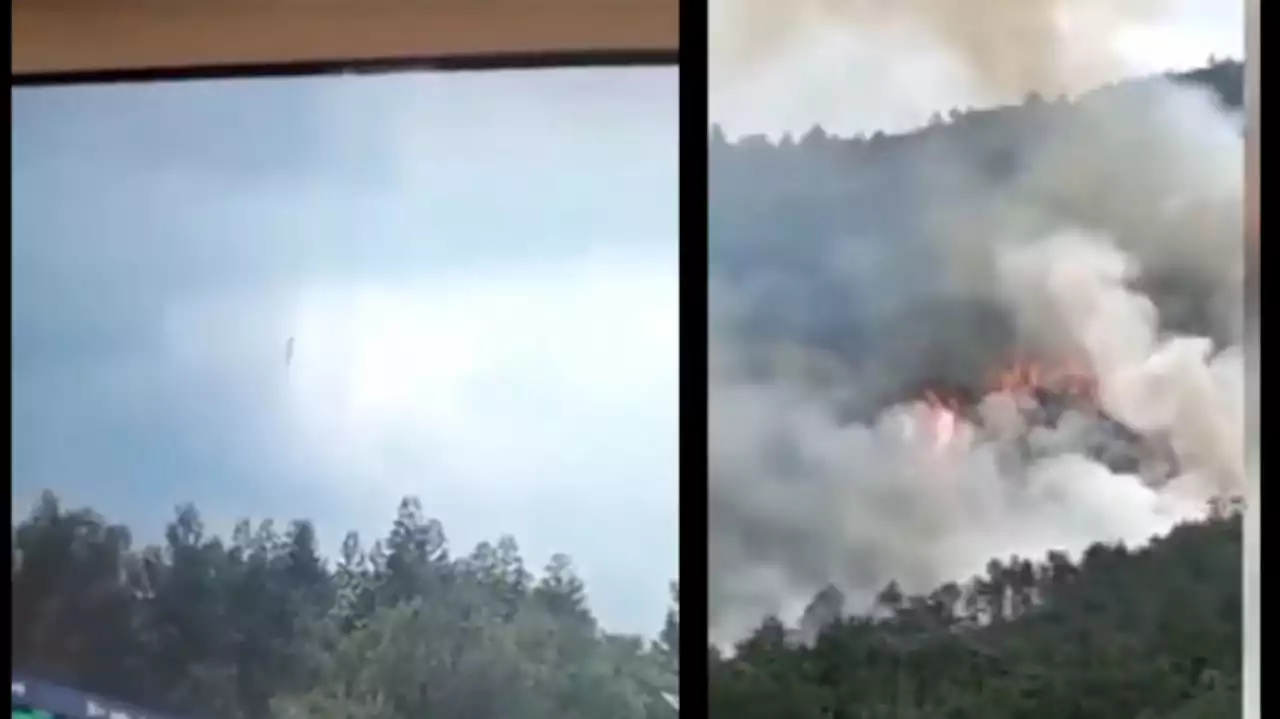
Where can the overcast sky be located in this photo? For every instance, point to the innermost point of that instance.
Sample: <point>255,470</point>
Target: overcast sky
<point>860,82</point>
<point>479,270</point>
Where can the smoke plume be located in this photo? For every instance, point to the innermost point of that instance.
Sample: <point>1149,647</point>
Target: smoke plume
<point>1010,47</point>
<point>1116,248</point>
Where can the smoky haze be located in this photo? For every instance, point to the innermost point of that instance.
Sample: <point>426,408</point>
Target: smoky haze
<point>1009,47</point>
<point>849,277</point>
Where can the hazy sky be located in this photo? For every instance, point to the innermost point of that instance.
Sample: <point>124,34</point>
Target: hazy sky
<point>480,271</point>
<point>862,82</point>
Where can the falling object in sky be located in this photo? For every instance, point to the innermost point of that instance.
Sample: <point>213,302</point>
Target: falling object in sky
<point>288,352</point>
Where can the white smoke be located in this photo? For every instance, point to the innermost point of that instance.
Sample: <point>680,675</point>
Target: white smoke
<point>1179,387</point>
<point>856,505</point>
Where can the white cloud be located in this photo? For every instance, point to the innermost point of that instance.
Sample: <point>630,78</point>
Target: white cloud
<point>479,270</point>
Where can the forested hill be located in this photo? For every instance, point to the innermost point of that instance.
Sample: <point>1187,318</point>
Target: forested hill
<point>1150,633</point>
<point>1124,634</point>
<point>817,185</point>
<point>1225,79</point>
<point>260,626</point>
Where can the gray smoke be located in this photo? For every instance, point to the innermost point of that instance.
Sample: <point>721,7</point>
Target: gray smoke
<point>1117,244</point>
<point>1253,210</point>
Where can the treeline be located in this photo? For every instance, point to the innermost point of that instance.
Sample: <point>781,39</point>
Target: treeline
<point>780,202</point>
<point>1223,78</point>
<point>261,626</point>
<point>1153,633</point>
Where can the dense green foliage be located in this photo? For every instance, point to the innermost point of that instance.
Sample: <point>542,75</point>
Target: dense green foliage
<point>1151,633</point>
<point>263,626</point>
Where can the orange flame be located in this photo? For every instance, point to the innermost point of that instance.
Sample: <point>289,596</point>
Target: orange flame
<point>1019,377</point>
<point>1070,378</point>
